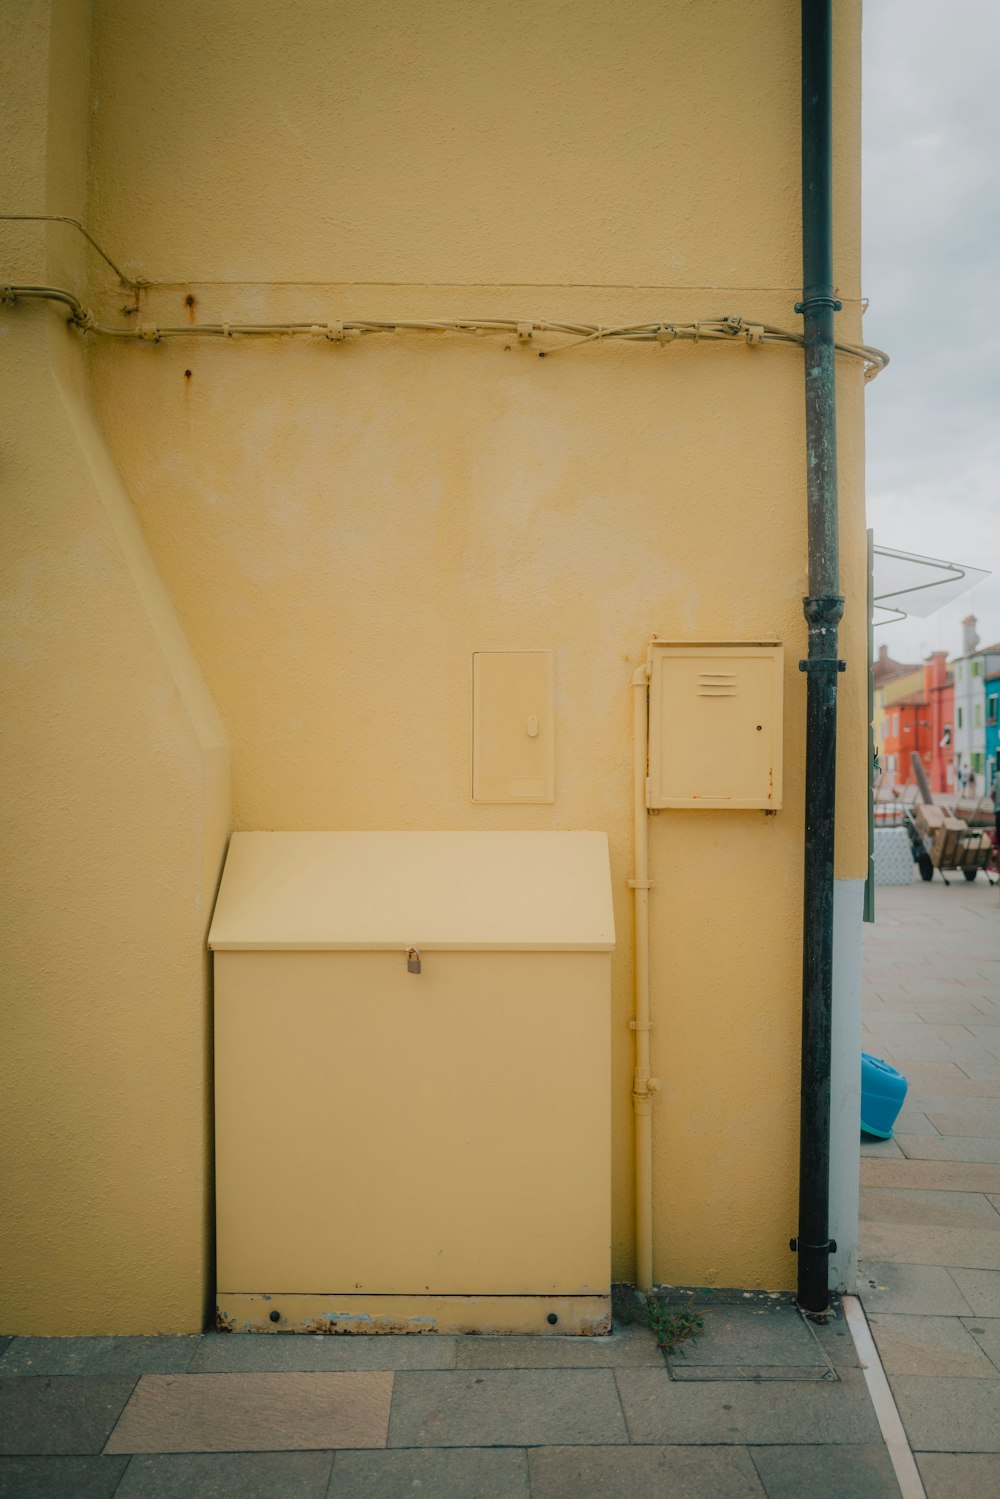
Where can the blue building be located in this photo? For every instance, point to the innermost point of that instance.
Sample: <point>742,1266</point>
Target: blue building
<point>992,689</point>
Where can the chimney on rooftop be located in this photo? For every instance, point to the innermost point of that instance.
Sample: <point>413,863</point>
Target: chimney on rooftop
<point>935,670</point>
<point>969,637</point>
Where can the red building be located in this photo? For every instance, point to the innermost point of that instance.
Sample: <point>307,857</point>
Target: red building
<point>939,691</point>
<point>907,728</point>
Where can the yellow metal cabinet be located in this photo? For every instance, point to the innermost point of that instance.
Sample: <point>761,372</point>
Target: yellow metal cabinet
<point>412,1082</point>
<point>715,725</point>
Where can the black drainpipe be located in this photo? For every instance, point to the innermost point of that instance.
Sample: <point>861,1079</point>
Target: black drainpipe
<point>823,609</point>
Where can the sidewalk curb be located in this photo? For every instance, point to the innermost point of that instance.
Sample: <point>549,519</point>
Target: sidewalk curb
<point>891,1426</point>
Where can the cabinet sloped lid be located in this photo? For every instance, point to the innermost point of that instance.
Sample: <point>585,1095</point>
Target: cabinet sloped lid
<point>460,891</point>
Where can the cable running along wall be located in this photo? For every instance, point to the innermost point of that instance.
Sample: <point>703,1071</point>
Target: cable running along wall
<point>726,329</point>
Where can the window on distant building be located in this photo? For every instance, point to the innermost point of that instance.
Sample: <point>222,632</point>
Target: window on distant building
<point>946,736</point>
<point>959,720</point>
<point>975,668</point>
<point>979,715</point>
<point>976,761</point>
<point>895,725</point>
<point>992,707</point>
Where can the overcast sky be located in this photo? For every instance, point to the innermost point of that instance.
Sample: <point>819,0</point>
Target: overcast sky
<point>931,234</point>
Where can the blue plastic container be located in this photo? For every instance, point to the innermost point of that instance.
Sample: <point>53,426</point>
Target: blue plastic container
<point>882,1092</point>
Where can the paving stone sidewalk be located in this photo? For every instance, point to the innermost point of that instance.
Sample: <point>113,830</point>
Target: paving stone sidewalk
<point>764,1404</point>
<point>930,1197</point>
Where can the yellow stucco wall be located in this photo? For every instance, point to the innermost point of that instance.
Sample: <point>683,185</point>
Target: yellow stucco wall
<point>340,527</point>
<point>116,767</point>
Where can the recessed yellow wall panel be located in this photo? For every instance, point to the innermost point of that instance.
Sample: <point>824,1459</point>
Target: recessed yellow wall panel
<point>715,725</point>
<point>513,738</point>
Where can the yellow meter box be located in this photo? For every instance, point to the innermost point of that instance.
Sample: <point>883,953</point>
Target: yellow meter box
<point>715,725</point>
<point>412,1058</point>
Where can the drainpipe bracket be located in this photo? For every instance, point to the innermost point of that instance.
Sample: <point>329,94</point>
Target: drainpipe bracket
<point>644,1095</point>
<point>640,1025</point>
<point>642,884</point>
<point>823,665</point>
<point>798,1247</point>
<point>814,304</point>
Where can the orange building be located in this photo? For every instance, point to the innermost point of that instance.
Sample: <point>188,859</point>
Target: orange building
<point>906,727</point>
<point>939,691</point>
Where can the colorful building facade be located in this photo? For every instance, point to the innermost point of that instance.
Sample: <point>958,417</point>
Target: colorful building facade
<point>991,687</point>
<point>972,670</point>
<point>939,691</point>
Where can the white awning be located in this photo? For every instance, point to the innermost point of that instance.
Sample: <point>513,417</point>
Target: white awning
<point>906,583</point>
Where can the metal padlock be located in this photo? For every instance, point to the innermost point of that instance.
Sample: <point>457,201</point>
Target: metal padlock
<point>413,960</point>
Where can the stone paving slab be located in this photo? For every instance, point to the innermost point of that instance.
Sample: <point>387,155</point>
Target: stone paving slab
<point>227,1475</point>
<point>984,1031</point>
<point>937,1148</point>
<point>967,1107</point>
<point>921,1048</point>
<point>4,1344</point>
<point>60,1415</point>
<point>959,1475</point>
<point>60,1477</point>
<point>871,1148</point>
<point>912,1120</point>
<point>981,1289</point>
<point>985,1071</point>
<point>949,1415</point>
<point>922,1289</point>
<point>458,1473</point>
<point>916,1244</point>
<point>967,1015</point>
<point>903,1019</point>
<point>305,1353</point>
<point>937,1100</point>
<point>99,1356</point>
<point>659,1411</point>
<point>977,1122</point>
<point>935,1176</point>
<point>627,1347</point>
<point>986,1331</point>
<point>643,1473</point>
<point>841,1472</point>
<point>508,1407</point>
<point>254,1412</point>
<point>910,1344</point>
<point>917,1205</point>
